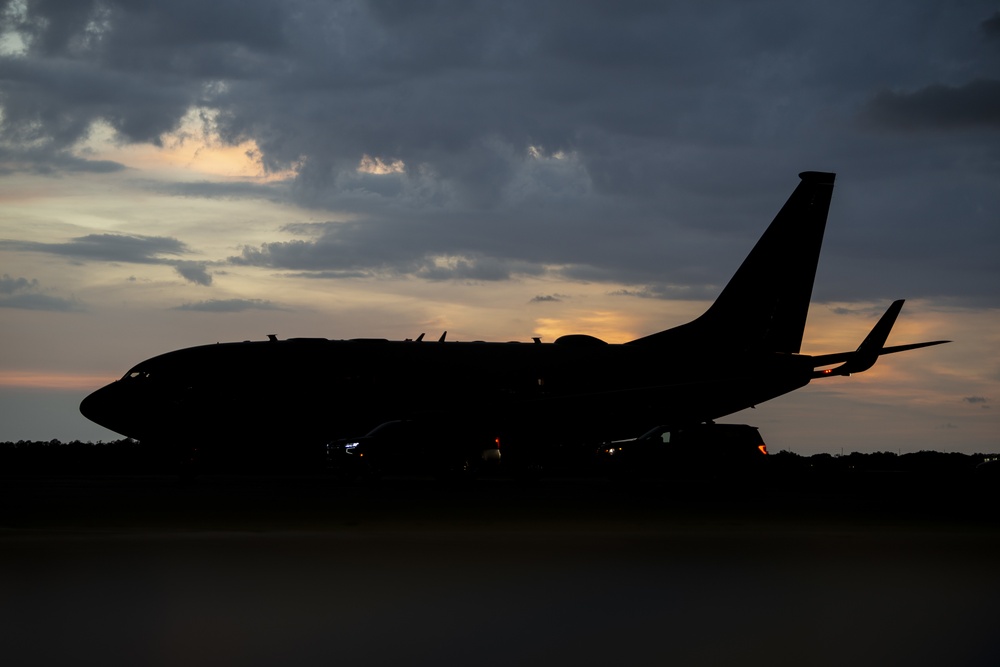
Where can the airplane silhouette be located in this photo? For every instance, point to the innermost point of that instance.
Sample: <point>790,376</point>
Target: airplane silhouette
<point>300,392</point>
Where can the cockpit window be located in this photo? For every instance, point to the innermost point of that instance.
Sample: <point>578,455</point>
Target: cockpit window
<point>136,374</point>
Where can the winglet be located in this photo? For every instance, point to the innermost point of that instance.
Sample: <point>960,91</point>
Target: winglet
<point>867,353</point>
<point>871,348</point>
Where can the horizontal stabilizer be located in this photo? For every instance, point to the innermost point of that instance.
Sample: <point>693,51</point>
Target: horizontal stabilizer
<point>911,346</point>
<point>871,348</point>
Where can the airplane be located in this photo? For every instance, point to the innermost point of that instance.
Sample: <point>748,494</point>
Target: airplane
<point>296,394</point>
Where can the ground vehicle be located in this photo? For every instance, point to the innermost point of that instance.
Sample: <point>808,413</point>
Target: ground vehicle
<point>414,447</point>
<point>698,450</point>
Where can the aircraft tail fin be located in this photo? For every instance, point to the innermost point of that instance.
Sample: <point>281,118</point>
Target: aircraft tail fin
<point>871,348</point>
<point>764,305</point>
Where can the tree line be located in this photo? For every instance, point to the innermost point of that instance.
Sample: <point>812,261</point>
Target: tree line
<point>128,456</point>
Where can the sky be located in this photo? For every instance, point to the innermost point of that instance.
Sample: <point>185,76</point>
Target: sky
<point>180,173</point>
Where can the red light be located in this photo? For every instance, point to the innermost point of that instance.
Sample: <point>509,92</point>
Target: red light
<point>497,440</point>
<point>763,449</point>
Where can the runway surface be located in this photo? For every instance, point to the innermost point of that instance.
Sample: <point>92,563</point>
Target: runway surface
<point>257,570</point>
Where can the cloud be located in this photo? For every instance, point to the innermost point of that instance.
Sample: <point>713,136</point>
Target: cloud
<point>548,298</point>
<point>24,294</point>
<point>52,162</point>
<point>276,191</point>
<point>131,248</point>
<point>323,85</point>
<point>61,97</point>
<point>10,285</point>
<point>332,275</point>
<point>125,248</point>
<point>938,106</point>
<point>867,312</point>
<point>41,302</point>
<point>475,268</point>
<point>138,69</point>
<point>670,292</point>
<point>991,27</point>
<point>194,272</point>
<point>944,105</point>
<point>633,144</point>
<point>977,400</point>
<point>331,258</point>
<point>228,305</point>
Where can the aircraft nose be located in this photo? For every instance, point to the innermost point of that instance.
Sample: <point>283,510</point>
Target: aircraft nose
<point>101,408</point>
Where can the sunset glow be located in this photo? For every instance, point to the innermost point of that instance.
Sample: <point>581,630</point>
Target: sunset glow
<point>43,380</point>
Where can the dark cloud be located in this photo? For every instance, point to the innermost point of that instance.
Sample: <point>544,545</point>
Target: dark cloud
<point>331,258</point>
<point>137,66</point>
<point>548,298</point>
<point>278,192</point>
<point>25,294</point>
<point>321,84</point>
<point>476,268</point>
<point>975,104</point>
<point>336,248</point>
<point>645,144</point>
<point>975,399</point>
<point>52,162</point>
<point>131,248</point>
<point>125,248</point>
<point>10,285</point>
<point>229,305</point>
<point>333,275</point>
<point>941,102</point>
<point>41,302</point>
<point>195,272</point>
<point>70,163</point>
<point>991,27</point>
<point>139,108</point>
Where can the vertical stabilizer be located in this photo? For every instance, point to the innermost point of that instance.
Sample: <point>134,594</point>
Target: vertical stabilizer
<point>764,306</point>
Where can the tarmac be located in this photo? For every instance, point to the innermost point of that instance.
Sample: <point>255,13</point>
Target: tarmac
<point>261,570</point>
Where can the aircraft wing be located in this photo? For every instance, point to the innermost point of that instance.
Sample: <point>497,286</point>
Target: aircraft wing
<point>871,348</point>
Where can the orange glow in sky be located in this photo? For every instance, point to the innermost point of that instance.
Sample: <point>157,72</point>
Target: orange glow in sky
<point>192,149</point>
<point>49,380</point>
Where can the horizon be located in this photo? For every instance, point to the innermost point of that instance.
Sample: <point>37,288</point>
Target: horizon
<point>990,455</point>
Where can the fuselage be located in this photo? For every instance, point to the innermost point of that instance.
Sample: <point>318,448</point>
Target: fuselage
<point>303,391</point>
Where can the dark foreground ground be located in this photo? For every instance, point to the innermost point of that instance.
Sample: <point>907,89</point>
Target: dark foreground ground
<point>866,569</point>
